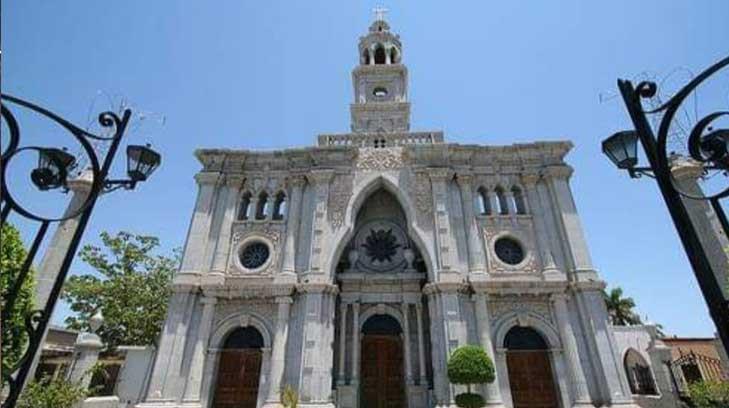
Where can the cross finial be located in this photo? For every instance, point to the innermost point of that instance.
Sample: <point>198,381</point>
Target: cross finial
<point>380,13</point>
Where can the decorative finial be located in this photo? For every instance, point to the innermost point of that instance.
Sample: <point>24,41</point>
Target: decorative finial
<point>380,13</point>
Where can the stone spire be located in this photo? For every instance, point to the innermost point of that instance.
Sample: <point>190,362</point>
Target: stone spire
<point>380,82</point>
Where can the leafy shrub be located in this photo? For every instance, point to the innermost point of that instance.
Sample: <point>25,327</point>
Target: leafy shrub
<point>48,393</point>
<point>709,394</point>
<point>470,365</point>
<point>470,400</point>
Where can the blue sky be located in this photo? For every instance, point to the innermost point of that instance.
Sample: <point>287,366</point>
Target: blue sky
<point>273,74</point>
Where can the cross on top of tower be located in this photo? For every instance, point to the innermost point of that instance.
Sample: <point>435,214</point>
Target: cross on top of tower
<point>380,13</point>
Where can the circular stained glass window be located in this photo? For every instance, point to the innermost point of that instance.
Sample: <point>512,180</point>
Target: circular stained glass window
<point>509,251</point>
<point>254,255</point>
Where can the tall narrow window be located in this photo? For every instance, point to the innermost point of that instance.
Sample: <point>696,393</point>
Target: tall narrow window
<point>484,205</point>
<point>501,201</point>
<point>519,203</point>
<point>245,206</point>
<point>279,206</point>
<point>262,209</point>
<point>639,374</point>
<point>366,57</point>
<point>380,56</point>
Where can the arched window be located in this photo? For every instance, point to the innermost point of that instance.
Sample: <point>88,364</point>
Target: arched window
<point>245,206</point>
<point>501,201</point>
<point>519,202</point>
<point>484,204</point>
<point>380,56</point>
<point>262,208</point>
<point>279,206</point>
<point>639,374</point>
<point>394,55</point>
<point>365,57</point>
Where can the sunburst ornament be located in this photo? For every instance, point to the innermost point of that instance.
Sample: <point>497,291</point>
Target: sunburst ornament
<point>381,245</point>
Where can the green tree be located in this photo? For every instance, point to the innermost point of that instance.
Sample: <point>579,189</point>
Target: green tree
<point>132,292</point>
<point>709,394</point>
<point>12,256</point>
<point>620,309</point>
<point>468,365</point>
<point>47,393</point>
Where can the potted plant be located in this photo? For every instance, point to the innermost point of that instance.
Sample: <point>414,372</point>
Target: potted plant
<point>470,365</point>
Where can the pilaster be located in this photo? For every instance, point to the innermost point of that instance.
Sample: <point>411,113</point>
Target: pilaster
<point>580,392</point>
<point>292,223</point>
<point>198,234</point>
<point>483,324</point>
<point>476,256</point>
<point>439,178</point>
<point>320,180</point>
<point>233,184</point>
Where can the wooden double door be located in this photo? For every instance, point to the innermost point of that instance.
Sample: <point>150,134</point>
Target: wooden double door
<point>239,372</point>
<point>530,379</point>
<point>382,380</point>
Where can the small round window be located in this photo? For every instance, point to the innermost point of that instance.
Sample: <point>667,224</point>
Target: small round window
<point>380,92</point>
<point>254,255</point>
<point>509,251</point>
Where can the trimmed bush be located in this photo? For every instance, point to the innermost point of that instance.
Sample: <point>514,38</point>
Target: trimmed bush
<point>470,400</point>
<point>470,365</point>
<point>709,394</point>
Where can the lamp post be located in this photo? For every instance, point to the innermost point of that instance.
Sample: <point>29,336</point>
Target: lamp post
<point>51,173</point>
<point>706,146</point>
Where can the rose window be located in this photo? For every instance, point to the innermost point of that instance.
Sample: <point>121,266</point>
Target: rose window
<point>254,255</point>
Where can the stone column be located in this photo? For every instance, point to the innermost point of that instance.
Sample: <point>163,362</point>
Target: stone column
<point>320,179</point>
<point>421,345</point>
<point>476,257</point>
<point>579,384</point>
<point>355,344</point>
<point>86,353</point>
<point>569,226</point>
<point>278,354</point>
<point>483,325</point>
<point>293,220</point>
<point>685,173</point>
<point>544,244</point>
<point>439,181</point>
<point>197,237</point>
<point>404,307</point>
<point>222,247</point>
<point>342,343</point>
<point>197,363</point>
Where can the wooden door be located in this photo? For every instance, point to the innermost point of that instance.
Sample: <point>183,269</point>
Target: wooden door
<point>237,381</point>
<point>382,381</point>
<point>531,380</point>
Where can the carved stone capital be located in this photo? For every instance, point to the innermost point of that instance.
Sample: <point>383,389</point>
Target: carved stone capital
<point>321,177</point>
<point>530,179</point>
<point>563,172</point>
<point>284,299</point>
<point>440,174</point>
<point>296,180</point>
<point>207,178</point>
<point>234,180</point>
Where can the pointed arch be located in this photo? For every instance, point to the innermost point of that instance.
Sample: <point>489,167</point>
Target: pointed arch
<point>526,319</point>
<point>519,201</point>
<point>362,191</point>
<point>244,208</point>
<point>262,206</point>
<point>484,203</point>
<point>279,206</point>
<point>501,200</point>
<point>380,54</point>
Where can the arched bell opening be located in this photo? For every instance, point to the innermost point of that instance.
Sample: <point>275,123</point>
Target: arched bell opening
<point>239,369</point>
<point>528,362</point>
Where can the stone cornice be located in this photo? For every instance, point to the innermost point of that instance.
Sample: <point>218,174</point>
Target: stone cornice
<point>445,287</point>
<point>317,288</point>
<point>541,157</point>
<point>247,289</point>
<point>588,285</point>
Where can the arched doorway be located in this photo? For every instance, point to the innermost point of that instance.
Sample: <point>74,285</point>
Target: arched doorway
<point>383,381</point>
<point>530,371</point>
<point>239,369</point>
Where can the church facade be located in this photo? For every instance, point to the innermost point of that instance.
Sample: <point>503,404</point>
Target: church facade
<point>347,272</point>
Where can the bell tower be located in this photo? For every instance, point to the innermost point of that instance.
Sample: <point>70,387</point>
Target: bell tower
<point>380,82</point>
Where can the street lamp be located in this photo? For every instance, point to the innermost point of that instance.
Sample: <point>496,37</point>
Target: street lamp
<point>53,167</point>
<point>706,146</point>
<point>51,172</point>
